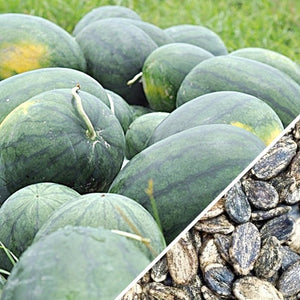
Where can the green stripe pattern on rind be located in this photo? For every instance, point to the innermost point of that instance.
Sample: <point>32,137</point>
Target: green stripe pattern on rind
<point>24,213</point>
<point>111,211</point>
<point>188,170</point>
<point>225,107</point>
<point>75,263</point>
<point>44,139</point>
<point>19,88</point>
<point>225,73</point>
<point>115,61</point>
<point>272,58</point>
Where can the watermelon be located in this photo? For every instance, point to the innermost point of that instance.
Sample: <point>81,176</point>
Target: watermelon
<point>47,138</point>
<point>197,35</point>
<point>111,211</point>
<point>103,12</point>
<point>32,42</point>
<point>228,72</point>
<point>75,263</point>
<point>165,69</point>
<point>186,171</point>
<point>24,213</point>
<point>113,62</point>
<point>19,88</point>
<point>120,108</point>
<point>138,110</point>
<point>226,107</point>
<point>272,58</point>
<point>140,130</point>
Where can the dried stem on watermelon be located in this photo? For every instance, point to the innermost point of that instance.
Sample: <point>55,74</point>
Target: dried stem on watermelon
<point>91,133</point>
<point>135,78</point>
<point>13,259</point>
<point>137,236</point>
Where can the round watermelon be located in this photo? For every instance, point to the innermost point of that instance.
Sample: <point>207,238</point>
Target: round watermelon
<point>24,213</point>
<point>111,211</point>
<point>48,138</point>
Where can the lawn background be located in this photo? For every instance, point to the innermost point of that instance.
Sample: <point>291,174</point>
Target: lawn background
<point>271,24</point>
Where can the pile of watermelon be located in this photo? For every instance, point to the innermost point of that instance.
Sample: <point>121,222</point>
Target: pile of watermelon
<point>115,137</point>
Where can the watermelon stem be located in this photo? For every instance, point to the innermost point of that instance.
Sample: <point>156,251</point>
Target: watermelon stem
<point>135,78</point>
<point>91,133</point>
<point>131,235</point>
<point>146,241</point>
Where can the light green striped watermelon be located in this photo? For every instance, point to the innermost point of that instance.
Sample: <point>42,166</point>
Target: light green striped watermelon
<point>24,213</point>
<point>111,211</point>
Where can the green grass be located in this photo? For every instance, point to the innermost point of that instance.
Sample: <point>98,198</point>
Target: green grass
<point>271,24</point>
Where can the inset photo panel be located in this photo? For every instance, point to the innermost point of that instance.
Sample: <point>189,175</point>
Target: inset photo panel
<point>245,244</point>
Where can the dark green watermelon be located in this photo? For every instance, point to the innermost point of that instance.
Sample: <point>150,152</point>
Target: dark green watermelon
<point>115,61</point>
<point>197,35</point>
<point>75,263</point>
<point>19,88</point>
<point>188,170</point>
<point>46,139</point>
<point>24,213</point>
<point>103,12</point>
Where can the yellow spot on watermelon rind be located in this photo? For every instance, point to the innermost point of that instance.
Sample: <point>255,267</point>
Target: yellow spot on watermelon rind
<point>21,57</point>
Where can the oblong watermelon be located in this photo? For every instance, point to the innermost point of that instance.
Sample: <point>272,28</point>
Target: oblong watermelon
<point>228,72</point>
<point>24,213</point>
<point>197,35</point>
<point>272,58</point>
<point>164,71</point>
<point>111,211</point>
<point>188,170</point>
<point>45,139</point>
<point>19,88</point>
<point>103,12</point>
<point>139,132</point>
<point>32,42</point>
<point>75,263</point>
<point>226,107</point>
<point>115,61</point>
